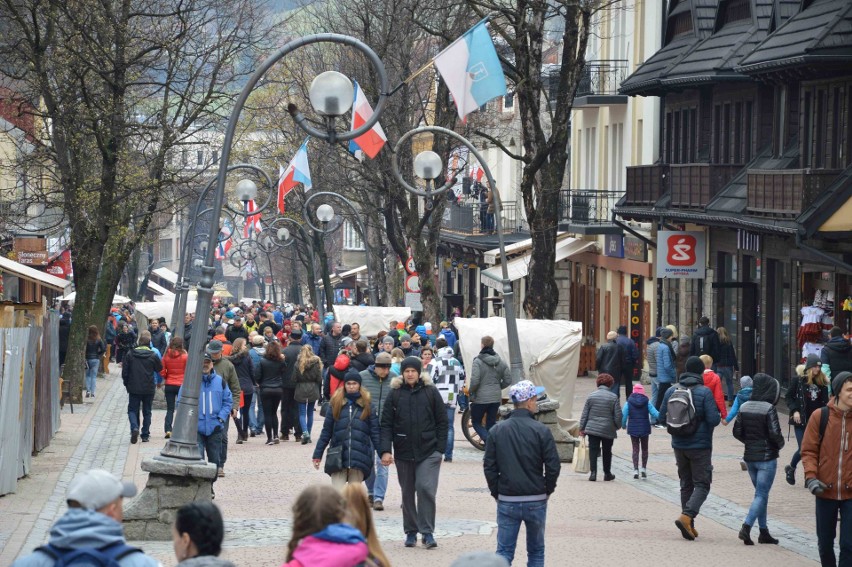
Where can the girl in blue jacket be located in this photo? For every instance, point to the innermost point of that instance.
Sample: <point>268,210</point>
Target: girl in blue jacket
<point>636,418</point>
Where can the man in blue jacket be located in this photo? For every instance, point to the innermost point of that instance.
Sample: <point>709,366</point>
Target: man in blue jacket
<point>214,407</point>
<point>521,466</point>
<point>693,452</point>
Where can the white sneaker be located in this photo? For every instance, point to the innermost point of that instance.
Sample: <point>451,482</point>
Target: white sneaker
<point>635,474</point>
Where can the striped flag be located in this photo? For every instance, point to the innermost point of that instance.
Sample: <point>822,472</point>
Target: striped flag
<point>252,220</point>
<point>298,171</point>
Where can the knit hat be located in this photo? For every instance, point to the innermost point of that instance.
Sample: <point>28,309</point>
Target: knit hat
<point>428,327</point>
<point>384,358</point>
<point>404,337</point>
<point>813,360</point>
<point>638,389</point>
<point>666,333</point>
<point>420,330</point>
<point>694,365</point>
<point>838,381</point>
<point>346,341</point>
<point>746,382</point>
<point>296,335</point>
<point>352,375</point>
<point>388,340</point>
<point>411,362</point>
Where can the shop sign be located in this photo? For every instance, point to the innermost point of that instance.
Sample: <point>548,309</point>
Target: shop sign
<point>636,304</point>
<point>614,245</point>
<point>635,249</point>
<point>60,266</point>
<point>32,258</point>
<point>681,254</point>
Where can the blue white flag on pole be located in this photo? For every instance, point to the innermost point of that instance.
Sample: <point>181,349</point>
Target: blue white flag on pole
<point>472,70</point>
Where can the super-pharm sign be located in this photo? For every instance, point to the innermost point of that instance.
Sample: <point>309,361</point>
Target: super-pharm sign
<point>681,254</point>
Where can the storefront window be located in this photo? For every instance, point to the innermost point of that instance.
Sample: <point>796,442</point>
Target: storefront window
<point>777,330</point>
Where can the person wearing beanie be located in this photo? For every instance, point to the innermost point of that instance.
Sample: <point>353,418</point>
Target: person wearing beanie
<point>742,397</point>
<point>405,344</point>
<point>757,428</point>
<point>805,395</point>
<point>693,452</point>
<point>825,441</point>
<point>414,435</point>
<point>489,374</point>
<point>636,416</point>
<point>377,380</point>
<point>600,420</point>
<point>353,425</point>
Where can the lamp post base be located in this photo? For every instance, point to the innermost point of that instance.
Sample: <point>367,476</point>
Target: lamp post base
<point>180,452</point>
<point>171,484</point>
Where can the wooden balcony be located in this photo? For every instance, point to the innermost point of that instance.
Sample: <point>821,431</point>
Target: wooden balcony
<point>693,185</point>
<point>645,184</point>
<point>785,193</point>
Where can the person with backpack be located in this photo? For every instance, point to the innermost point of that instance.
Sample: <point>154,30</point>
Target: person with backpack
<point>690,414</point>
<point>600,420</point>
<point>828,475</point>
<point>806,394</point>
<point>666,369</point>
<point>414,426</point>
<point>636,416</point>
<point>705,340</point>
<point>90,532</point>
<point>757,427</point>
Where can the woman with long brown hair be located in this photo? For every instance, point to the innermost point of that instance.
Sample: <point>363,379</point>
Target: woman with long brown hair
<point>319,536</point>
<point>807,393</point>
<point>308,378</point>
<point>174,367</point>
<point>360,515</point>
<point>352,425</point>
<point>95,348</point>
<point>245,374</point>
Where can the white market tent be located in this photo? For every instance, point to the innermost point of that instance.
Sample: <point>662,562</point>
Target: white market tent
<point>550,351</point>
<point>155,309</point>
<point>71,297</point>
<point>371,319</point>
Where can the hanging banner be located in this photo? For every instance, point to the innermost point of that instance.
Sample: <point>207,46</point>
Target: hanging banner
<point>636,315</point>
<point>681,254</point>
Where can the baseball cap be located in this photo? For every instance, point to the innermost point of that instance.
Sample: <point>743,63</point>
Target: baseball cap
<point>214,347</point>
<point>383,359</point>
<point>524,390</point>
<point>207,357</point>
<point>96,488</point>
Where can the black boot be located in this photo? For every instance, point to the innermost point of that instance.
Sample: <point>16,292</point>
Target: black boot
<point>764,537</point>
<point>745,534</point>
<point>593,476</point>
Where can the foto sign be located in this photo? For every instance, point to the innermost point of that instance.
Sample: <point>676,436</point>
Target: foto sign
<point>681,254</point>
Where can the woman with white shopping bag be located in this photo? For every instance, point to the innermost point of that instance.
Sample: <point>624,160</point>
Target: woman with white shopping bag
<point>600,420</point>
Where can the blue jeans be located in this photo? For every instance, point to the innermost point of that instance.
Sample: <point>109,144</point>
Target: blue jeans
<point>489,412</point>
<point>451,433</point>
<point>377,482</point>
<point>655,386</point>
<point>799,430</point>
<point>306,417</point>
<point>463,401</point>
<point>509,518</point>
<point>211,447</point>
<point>762,475</point>
<point>256,414</point>
<point>726,373</point>
<point>92,365</point>
<point>826,527</point>
<point>133,404</point>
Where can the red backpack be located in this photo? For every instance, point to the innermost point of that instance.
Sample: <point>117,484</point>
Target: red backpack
<point>341,363</point>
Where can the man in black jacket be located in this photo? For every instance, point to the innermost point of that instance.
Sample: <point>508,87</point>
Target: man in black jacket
<point>521,466</point>
<point>330,345</point>
<point>137,373</point>
<point>705,341</point>
<point>289,409</point>
<point>237,330</point>
<point>610,358</point>
<point>837,353</point>
<point>414,424</point>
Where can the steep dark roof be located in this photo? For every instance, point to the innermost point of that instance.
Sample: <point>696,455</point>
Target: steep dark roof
<point>835,195</point>
<point>822,32</point>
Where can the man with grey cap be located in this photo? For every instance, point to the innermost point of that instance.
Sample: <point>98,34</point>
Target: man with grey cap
<point>225,369</point>
<point>91,528</point>
<point>521,467</point>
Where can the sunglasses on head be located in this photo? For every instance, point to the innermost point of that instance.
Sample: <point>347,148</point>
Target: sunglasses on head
<point>383,365</point>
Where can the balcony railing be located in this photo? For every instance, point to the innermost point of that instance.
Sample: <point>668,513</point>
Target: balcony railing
<point>693,185</point>
<point>474,218</point>
<point>602,77</point>
<point>645,184</point>
<point>785,193</point>
<point>586,206</point>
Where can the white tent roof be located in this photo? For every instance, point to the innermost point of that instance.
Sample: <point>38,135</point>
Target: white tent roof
<point>519,267</point>
<point>166,274</point>
<point>72,297</point>
<point>492,256</point>
<point>26,272</point>
<point>371,319</point>
<point>159,290</point>
<point>337,278</point>
<point>156,309</point>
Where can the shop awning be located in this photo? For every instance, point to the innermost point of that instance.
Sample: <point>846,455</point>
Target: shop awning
<point>337,278</point>
<point>519,267</point>
<point>37,276</point>
<point>159,290</point>
<point>493,256</point>
<point>166,274</point>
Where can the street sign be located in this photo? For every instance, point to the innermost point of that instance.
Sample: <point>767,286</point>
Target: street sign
<point>412,284</point>
<point>455,263</point>
<point>412,301</point>
<point>409,266</point>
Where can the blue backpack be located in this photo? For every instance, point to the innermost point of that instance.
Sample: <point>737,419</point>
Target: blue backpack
<point>107,556</point>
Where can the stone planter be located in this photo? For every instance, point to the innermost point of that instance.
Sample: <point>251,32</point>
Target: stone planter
<point>547,415</point>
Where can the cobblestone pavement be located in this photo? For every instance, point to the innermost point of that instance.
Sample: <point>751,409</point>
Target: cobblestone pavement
<point>614,523</point>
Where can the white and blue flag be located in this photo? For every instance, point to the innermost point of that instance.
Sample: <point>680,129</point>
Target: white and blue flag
<point>472,70</point>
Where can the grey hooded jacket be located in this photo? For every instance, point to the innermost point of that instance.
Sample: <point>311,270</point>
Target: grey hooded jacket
<point>488,376</point>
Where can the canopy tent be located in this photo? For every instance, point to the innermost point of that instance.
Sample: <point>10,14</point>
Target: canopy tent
<point>71,297</point>
<point>371,319</point>
<point>166,274</point>
<point>159,290</point>
<point>149,310</point>
<point>550,351</point>
<point>337,278</point>
<point>519,267</point>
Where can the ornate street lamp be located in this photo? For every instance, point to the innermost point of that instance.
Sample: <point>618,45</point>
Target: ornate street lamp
<point>428,166</point>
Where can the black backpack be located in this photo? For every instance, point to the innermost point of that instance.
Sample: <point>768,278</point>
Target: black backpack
<point>107,556</point>
<point>681,417</point>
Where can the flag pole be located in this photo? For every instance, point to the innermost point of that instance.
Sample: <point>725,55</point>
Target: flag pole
<point>423,69</point>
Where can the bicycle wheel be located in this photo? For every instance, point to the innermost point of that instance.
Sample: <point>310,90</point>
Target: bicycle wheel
<point>469,432</point>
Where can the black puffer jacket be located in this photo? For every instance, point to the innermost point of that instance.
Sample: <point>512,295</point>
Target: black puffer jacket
<point>268,374</point>
<point>363,361</point>
<point>245,371</point>
<point>414,421</point>
<point>357,436</point>
<point>609,359</point>
<point>757,425</point>
<point>137,371</point>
